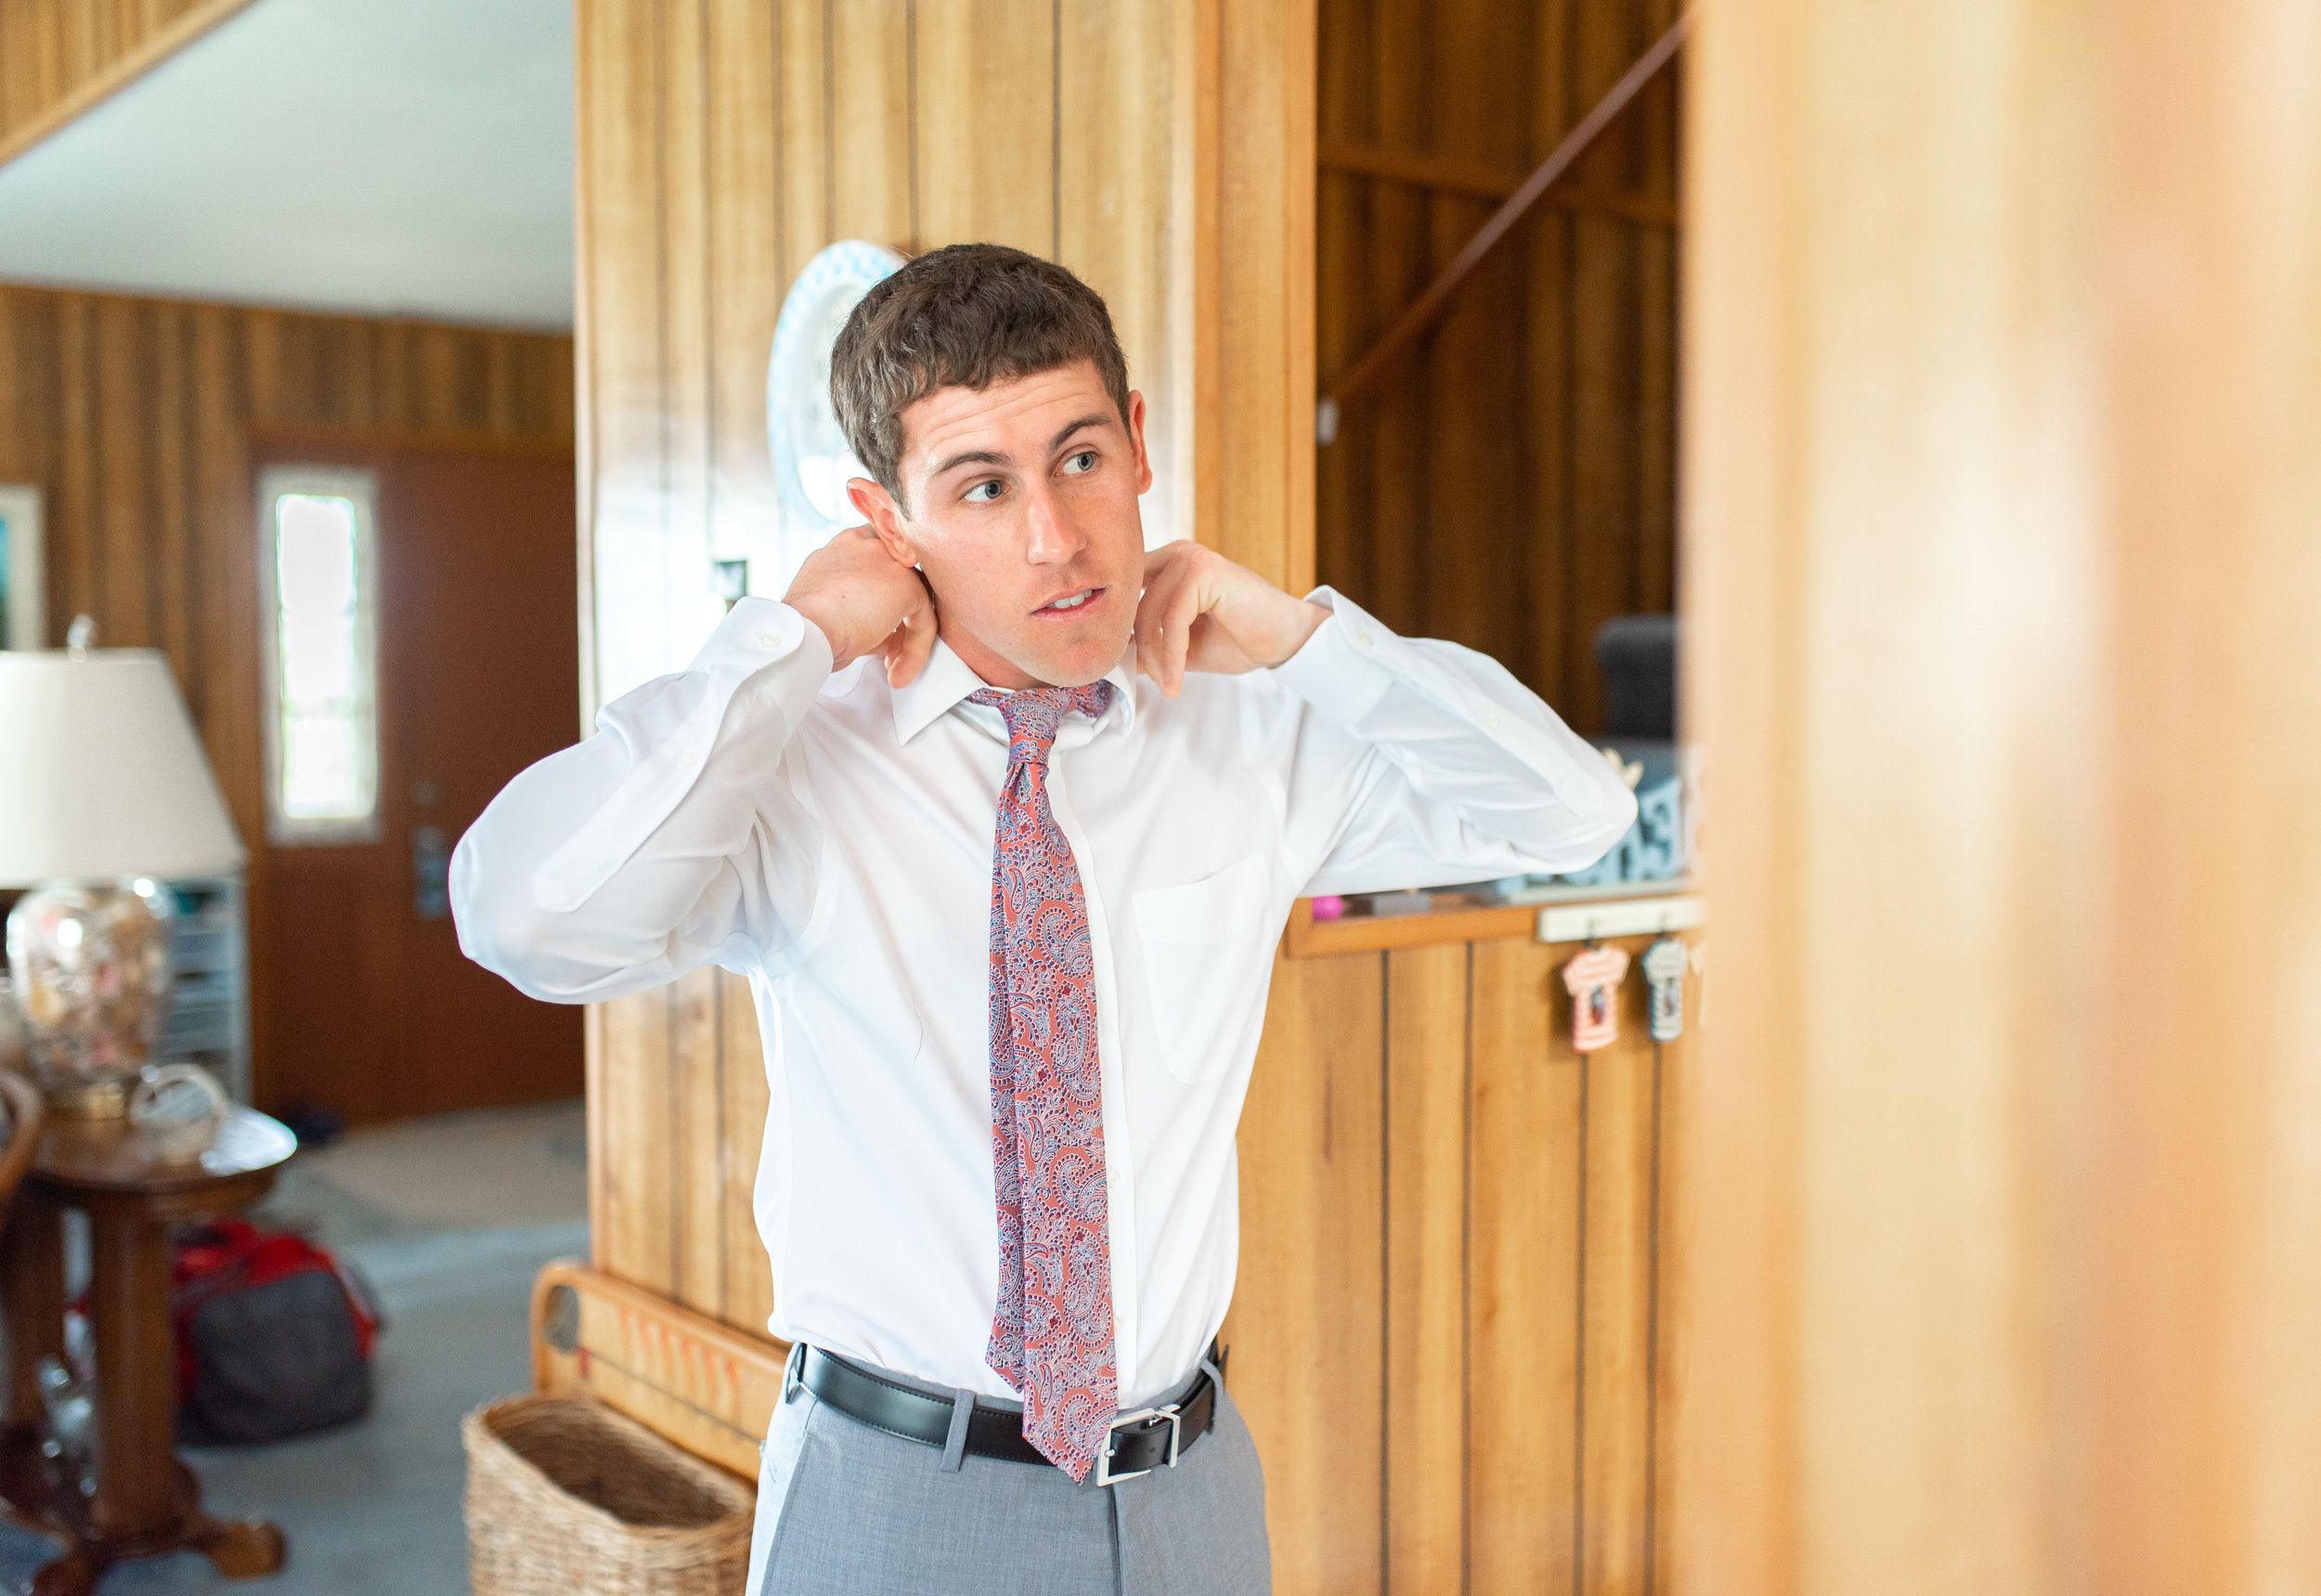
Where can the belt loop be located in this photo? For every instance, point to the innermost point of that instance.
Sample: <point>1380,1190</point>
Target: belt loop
<point>955,1444</point>
<point>793,1372</point>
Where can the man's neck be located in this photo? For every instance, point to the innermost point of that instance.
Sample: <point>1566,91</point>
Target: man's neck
<point>994,669</point>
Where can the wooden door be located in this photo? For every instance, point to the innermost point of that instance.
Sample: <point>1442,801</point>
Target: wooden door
<point>364,1006</point>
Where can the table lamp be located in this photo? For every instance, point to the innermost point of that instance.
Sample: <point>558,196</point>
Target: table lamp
<point>107,796</point>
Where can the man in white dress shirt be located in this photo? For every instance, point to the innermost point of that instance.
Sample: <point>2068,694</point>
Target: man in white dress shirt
<point>1002,816</point>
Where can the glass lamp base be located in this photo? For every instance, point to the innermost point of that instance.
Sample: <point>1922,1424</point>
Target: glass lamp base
<point>90,968</point>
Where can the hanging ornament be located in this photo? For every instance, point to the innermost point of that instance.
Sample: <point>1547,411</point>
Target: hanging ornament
<point>1665,964</point>
<point>1594,979</point>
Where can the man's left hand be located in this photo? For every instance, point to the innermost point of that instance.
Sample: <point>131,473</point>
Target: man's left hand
<point>1202,612</point>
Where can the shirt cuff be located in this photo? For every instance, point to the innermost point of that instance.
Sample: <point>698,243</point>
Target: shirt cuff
<point>1349,663</point>
<point>764,652</point>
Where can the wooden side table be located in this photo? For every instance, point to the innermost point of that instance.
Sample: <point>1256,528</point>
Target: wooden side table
<point>146,1501</point>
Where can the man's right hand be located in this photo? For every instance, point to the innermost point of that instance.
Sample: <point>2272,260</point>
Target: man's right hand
<point>866,602</point>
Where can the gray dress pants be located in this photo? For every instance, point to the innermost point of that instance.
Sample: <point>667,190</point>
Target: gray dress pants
<point>844,1509</point>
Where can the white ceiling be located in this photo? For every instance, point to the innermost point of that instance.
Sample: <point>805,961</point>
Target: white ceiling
<point>380,157</point>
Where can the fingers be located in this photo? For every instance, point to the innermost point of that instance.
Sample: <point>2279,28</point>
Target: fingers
<point>1163,578</point>
<point>1184,608</point>
<point>908,649</point>
<point>1172,602</point>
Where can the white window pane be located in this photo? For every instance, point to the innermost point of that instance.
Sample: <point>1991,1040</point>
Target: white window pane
<point>318,662</point>
<point>320,666</point>
<point>322,769</point>
<point>316,553</point>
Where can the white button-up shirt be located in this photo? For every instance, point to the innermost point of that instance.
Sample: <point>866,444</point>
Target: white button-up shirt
<point>831,839</point>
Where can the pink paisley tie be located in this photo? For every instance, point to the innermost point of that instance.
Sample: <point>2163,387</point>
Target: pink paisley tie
<point>1052,1330</point>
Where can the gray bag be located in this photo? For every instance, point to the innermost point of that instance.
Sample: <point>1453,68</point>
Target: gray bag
<point>273,1339</point>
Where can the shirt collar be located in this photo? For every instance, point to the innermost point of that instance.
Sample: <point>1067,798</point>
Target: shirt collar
<point>946,681</point>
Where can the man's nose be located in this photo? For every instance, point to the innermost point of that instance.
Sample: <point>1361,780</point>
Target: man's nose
<point>1054,539</point>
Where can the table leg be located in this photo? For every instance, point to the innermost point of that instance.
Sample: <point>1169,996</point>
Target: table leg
<point>32,1299</point>
<point>146,1501</point>
<point>137,1391</point>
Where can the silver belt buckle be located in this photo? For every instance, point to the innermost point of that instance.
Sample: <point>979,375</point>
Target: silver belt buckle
<point>1105,1476</point>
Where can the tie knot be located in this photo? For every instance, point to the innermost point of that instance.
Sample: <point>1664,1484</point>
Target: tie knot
<point>1033,715</point>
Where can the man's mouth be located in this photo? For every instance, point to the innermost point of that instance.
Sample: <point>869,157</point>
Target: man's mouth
<point>1068,603</point>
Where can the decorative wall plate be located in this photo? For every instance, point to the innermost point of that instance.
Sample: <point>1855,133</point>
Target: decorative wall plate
<point>811,461</point>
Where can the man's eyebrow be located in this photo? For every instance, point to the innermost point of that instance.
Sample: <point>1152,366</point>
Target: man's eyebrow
<point>973,457</point>
<point>994,457</point>
<point>1092,419</point>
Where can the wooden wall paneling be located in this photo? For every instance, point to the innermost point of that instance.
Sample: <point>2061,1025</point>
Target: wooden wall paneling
<point>1600,576</point>
<point>1523,1223</point>
<point>1547,251</point>
<point>129,566</point>
<point>171,495</point>
<point>1514,484</point>
<point>868,126</point>
<point>1307,1332</point>
<point>1648,158</point>
<point>746,278</point>
<point>1672,1316</point>
<point>1471,389</point>
<point>987,157</point>
<point>622,220</point>
<point>78,566</point>
<point>1344,243</point>
<point>697,1088</point>
<point>1426,1396</point>
<point>748,1292</point>
<point>1391,473</point>
<point>689,206</point>
<point>58,58</point>
<point>634,1200</point>
<point>1617,1284</point>
<point>1260,291</point>
<point>802,200</point>
<point>1115,219</point>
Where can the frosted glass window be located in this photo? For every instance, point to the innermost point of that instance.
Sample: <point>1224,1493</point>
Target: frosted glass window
<point>322,664</point>
<point>21,582</point>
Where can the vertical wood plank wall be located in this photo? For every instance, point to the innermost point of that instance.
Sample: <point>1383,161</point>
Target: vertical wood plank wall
<point>1512,482</point>
<point>722,143</point>
<point>133,417</point>
<point>57,57</point>
<point>1448,1333</point>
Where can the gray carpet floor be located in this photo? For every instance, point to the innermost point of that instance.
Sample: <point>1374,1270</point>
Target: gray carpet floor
<point>373,1509</point>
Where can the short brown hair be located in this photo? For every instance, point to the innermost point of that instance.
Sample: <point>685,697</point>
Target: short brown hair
<point>966,316</point>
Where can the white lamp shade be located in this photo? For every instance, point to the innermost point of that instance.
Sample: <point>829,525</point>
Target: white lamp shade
<point>102,775</point>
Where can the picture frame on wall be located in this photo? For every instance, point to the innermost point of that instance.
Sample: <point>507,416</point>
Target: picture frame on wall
<point>23,589</point>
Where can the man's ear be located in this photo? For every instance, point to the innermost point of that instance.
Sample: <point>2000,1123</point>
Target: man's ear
<point>878,508</point>
<point>1136,440</point>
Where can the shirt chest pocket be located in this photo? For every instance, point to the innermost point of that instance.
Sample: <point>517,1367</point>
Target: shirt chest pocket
<point>1207,960</point>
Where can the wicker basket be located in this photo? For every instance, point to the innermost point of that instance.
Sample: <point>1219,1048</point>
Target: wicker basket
<point>567,1497</point>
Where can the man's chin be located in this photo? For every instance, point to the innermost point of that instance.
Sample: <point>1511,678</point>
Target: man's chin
<point>1076,666</point>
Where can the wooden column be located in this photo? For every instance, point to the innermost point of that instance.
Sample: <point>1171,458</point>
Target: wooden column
<point>1162,149</point>
<point>2003,385</point>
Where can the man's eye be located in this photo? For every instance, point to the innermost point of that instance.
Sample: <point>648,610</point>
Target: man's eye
<point>985,491</point>
<point>1086,460</point>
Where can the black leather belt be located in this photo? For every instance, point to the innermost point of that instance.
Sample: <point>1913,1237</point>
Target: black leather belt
<point>1140,1442</point>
